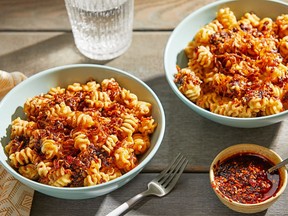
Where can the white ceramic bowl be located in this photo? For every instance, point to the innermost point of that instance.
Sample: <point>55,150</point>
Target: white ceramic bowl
<point>12,104</point>
<point>185,32</point>
<point>252,149</point>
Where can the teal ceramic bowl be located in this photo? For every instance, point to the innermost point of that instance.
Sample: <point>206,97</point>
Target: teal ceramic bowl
<point>185,32</point>
<point>12,105</point>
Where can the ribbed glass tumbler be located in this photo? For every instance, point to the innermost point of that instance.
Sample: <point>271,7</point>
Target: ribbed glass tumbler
<point>102,29</point>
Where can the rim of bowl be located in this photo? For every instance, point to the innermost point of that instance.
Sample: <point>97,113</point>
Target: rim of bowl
<point>105,184</point>
<point>249,145</point>
<point>174,85</point>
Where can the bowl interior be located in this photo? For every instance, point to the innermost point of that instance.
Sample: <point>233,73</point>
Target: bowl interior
<point>11,107</point>
<point>184,33</point>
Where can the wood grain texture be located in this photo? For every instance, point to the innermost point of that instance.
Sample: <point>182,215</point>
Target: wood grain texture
<point>164,14</point>
<point>35,15</point>
<point>34,52</point>
<point>50,15</point>
<point>191,196</point>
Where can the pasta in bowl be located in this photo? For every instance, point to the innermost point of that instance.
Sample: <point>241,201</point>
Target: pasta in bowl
<point>227,61</point>
<point>80,131</point>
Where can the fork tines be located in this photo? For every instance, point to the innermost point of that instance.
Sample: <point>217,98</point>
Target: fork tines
<point>170,175</point>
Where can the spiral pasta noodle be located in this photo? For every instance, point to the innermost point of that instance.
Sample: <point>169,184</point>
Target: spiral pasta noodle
<point>81,135</point>
<point>238,68</point>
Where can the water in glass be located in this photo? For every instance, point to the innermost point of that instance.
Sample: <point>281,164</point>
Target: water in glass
<point>102,29</point>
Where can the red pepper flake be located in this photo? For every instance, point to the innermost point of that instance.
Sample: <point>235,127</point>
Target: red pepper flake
<point>244,178</point>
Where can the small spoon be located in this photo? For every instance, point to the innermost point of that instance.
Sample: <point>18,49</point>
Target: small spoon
<point>277,166</point>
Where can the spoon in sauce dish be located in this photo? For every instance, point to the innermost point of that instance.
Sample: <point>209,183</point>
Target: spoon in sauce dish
<point>277,166</point>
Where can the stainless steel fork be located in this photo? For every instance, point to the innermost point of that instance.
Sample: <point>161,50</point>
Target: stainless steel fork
<point>160,186</point>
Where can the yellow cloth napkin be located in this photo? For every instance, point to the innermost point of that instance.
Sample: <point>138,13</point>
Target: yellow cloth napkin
<point>15,198</point>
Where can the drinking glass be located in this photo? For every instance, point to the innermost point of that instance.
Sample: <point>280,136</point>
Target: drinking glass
<point>102,29</point>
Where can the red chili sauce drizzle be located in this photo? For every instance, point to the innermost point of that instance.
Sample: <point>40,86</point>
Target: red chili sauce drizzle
<point>244,178</point>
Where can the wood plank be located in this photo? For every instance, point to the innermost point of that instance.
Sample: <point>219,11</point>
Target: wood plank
<point>18,15</point>
<point>51,15</point>
<point>35,52</point>
<point>186,199</point>
<point>34,15</point>
<point>198,138</point>
<point>164,14</point>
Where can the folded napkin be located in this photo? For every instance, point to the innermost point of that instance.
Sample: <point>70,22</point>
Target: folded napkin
<point>15,198</point>
<point>8,81</point>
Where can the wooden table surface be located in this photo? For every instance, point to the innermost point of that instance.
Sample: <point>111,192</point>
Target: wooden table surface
<point>35,35</point>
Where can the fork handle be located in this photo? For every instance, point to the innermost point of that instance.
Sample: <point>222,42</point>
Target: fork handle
<point>128,204</point>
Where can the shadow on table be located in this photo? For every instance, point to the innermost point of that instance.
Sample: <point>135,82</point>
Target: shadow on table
<point>172,204</point>
<point>57,50</point>
<point>201,139</point>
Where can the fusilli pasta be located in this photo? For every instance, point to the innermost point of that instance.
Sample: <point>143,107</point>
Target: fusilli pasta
<point>238,68</point>
<point>82,135</point>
